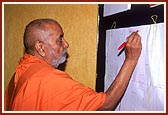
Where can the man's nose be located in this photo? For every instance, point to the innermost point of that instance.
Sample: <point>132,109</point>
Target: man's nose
<point>65,44</point>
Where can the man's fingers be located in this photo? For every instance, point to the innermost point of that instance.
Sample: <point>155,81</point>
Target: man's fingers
<point>131,37</point>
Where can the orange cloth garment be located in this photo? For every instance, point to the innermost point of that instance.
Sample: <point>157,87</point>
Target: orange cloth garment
<point>49,89</point>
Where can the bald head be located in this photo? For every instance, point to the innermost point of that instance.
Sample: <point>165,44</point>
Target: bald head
<point>35,31</point>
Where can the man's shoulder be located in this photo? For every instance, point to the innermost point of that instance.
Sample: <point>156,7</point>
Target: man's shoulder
<point>46,71</point>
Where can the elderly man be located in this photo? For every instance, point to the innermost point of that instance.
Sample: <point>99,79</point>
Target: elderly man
<point>38,85</point>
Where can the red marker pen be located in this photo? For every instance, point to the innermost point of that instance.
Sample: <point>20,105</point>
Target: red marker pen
<point>122,45</point>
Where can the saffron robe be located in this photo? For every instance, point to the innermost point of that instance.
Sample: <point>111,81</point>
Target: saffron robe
<point>47,89</point>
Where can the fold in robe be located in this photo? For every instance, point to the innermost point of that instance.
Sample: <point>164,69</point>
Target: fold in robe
<point>47,88</point>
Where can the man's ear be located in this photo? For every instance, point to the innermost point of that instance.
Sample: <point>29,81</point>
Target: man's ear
<point>40,48</point>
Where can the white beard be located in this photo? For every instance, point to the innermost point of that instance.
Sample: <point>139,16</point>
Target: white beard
<point>62,59</point>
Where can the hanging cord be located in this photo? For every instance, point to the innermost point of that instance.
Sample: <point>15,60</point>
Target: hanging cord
<point>113,26</point>
<point>154,19</point>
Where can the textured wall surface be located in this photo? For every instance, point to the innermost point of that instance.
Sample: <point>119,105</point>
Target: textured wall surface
<point>79,23</point>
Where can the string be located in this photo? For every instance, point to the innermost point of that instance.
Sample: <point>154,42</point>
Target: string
<point>154,19</point>
<point>113,26</point>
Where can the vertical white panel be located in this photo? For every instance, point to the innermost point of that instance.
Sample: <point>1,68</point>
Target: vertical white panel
<point>145,91</point>
<point>110,9</point>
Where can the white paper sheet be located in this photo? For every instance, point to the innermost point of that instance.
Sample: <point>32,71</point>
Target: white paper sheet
<point>110,9</point>
<point>146,90</point>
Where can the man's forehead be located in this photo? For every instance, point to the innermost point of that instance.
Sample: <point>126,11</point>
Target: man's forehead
<point>53,28</point>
